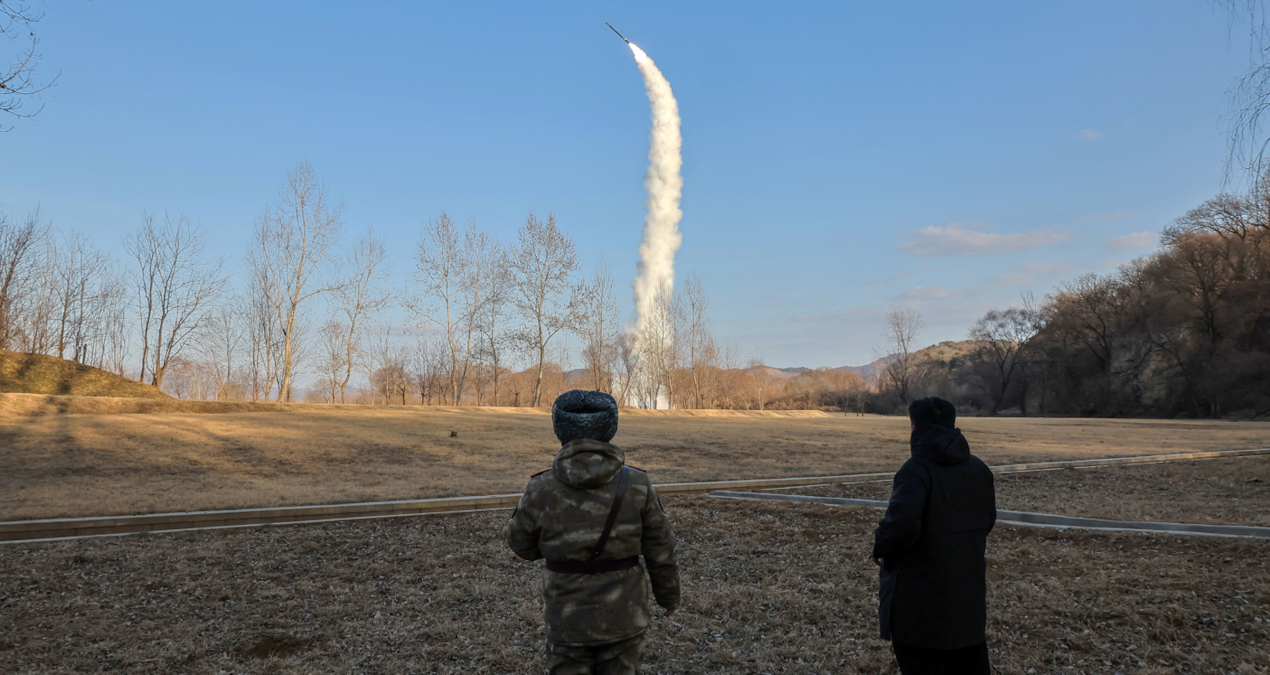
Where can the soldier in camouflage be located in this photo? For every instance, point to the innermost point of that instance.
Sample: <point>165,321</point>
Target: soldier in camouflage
<point>594,594</point>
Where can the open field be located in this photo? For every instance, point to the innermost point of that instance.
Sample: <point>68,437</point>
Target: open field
<point>1216,492</point>
<point>66,465</point>
<point>769,588</point>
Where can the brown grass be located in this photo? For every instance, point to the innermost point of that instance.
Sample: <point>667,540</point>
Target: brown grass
<point>49,375</point>
<point>1222,491</point>
<point>81,465</point>
<point>768,588</point>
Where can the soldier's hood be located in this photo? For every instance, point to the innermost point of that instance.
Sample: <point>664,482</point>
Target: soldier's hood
<point>586,463</point>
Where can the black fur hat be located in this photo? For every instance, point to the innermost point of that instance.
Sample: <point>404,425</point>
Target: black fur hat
<point>584,414</point>
<point>933,410</point>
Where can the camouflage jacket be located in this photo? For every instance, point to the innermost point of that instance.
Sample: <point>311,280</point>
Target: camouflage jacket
<point>561,517</point>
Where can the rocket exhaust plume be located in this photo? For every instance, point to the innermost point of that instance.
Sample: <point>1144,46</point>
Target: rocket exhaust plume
<point>664,186</point>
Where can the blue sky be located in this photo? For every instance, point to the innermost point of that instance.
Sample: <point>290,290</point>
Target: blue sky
<point>840,159</point>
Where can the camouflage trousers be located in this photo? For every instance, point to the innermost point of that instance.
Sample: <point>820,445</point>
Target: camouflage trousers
<point>618,658</point>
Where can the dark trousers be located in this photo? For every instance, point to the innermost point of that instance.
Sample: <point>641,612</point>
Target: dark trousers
<point>971,660</point>
<point>618,658</point>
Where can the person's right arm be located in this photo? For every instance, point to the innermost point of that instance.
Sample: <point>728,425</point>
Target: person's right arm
<point>523,530</point>
<point>902,524</point>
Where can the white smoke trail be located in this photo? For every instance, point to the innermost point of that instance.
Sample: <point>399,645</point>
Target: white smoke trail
<point>664,186</point>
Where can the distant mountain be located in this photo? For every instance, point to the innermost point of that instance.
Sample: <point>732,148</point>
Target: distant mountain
<point>869,370</point>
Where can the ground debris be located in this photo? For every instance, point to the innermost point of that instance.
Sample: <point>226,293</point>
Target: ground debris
<point>768,588</point>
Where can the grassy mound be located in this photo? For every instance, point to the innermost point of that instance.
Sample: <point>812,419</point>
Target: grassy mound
<point>51,376</point>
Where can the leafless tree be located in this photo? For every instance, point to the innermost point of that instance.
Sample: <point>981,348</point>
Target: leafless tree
<point>221,344</point>
<point>542,265</point>
<point>76,269</point>
<point>112,324</point>
<point>492,317</point>
<point>175,288</point>
<point>628,368</point>
<point>899,336</point>
<point>661,347</point>
<point>333,359</point>
<point>860,391</point>
<point>17,79</point>
<point>701,350</point>
<point>598,328</point>
<point>762,378</point>
<point>386,367</point>
<point>428,365</point>
<point>264,342</point>
<point>358,297</point>
<point>291,256</point>
<point>455,272</point>
<point>1000,336</point>
<point>21,245</point>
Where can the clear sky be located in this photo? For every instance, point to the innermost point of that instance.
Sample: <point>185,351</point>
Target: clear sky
<point>840,159</point>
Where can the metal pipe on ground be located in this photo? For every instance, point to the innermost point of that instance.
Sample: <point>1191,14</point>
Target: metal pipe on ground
<point>68,528</point>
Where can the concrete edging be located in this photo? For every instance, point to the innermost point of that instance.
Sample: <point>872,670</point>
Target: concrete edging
<point>66,528</point>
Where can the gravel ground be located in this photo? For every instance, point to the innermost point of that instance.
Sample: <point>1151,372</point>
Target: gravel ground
<point>1221,491</point>
<point>769,588</point>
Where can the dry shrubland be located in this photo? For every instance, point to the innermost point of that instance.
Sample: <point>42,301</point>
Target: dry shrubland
<point>99,464</point>
<point>769,588</point>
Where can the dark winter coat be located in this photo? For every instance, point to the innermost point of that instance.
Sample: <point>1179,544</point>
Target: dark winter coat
<point>931,542</point>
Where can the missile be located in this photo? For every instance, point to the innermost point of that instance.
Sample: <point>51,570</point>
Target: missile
<point>618,34</point>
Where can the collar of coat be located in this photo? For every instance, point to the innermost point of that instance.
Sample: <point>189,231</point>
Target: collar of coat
<point>587,463</point>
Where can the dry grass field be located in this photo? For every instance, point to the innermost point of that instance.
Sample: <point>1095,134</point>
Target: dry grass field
<point>1223,491</point>
<point>122,460</point>
<point>769,588</point>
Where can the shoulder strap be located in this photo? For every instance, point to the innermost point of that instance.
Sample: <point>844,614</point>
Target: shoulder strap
<point>608,524</point>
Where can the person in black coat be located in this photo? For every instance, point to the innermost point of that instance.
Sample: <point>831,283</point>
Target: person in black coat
<point>930,547</point>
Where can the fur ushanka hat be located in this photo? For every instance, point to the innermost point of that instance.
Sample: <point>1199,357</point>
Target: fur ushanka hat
<point>584,414</point>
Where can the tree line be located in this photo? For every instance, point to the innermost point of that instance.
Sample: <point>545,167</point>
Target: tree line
<point>486,318</point>
<point>1184,331</point>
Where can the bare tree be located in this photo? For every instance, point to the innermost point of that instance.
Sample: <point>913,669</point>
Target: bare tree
<point>17,80</point>
<point>491,319</point>
<point>899,337</point>
<point>1000,336</point>
<point>427,366</point>
<point>598,328</point>
<point>221,345</point>
<point>291,249</point>
<point>264,342</point>
<point>542,265</point>
<point>111,324</point>
<point>175,287</point>
<point>661,347</point>
<point>762,378</point>
<point>702,352</point>
<point>76,269</point>
<point>358,297</point>
<point>455,271</point>
<point>20,249</point>
<point>628,370</point>
<point>386,367</point>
